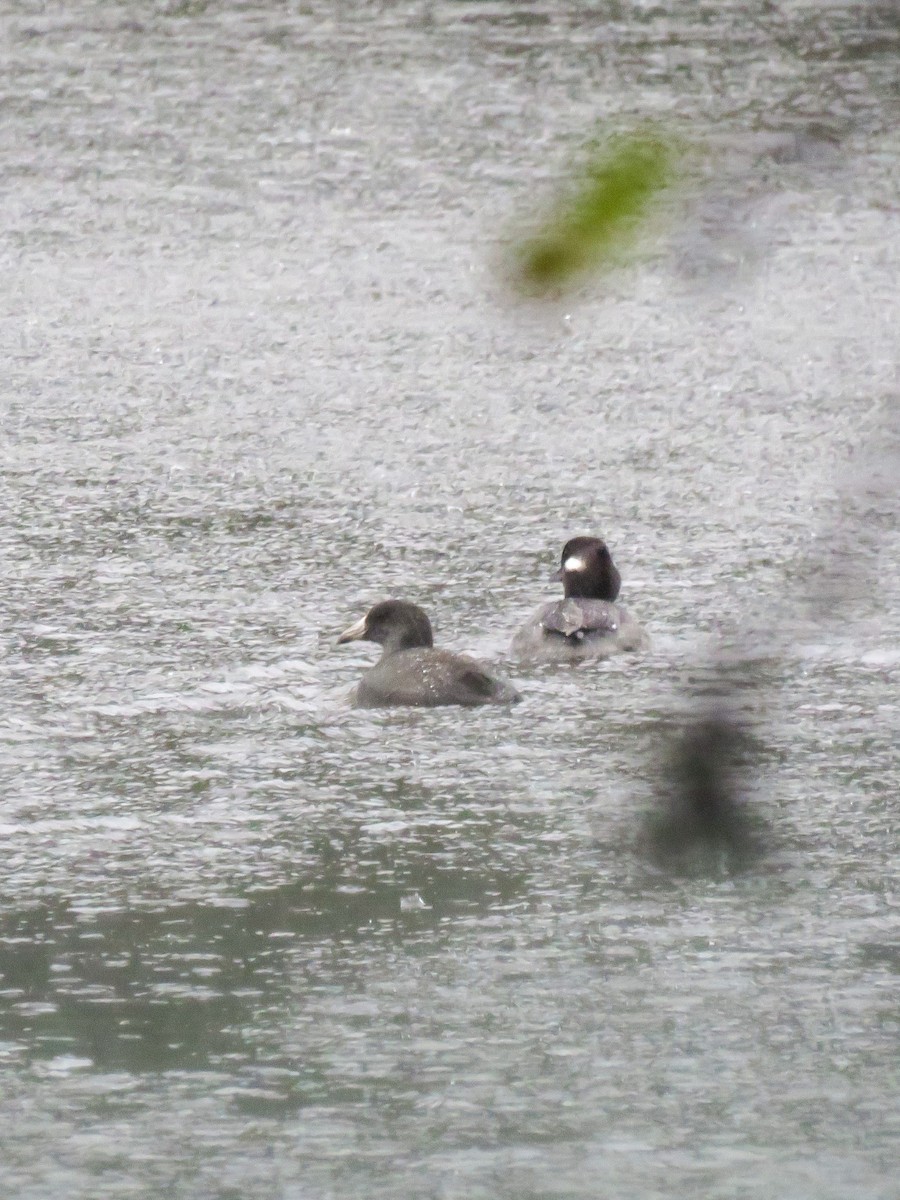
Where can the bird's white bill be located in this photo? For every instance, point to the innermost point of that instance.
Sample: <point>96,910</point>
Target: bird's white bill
<point>356,631</point>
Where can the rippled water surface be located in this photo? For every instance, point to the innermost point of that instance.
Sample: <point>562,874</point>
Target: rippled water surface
<point>259,373</point>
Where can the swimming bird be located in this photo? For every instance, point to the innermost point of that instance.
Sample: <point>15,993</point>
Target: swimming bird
<point>411,671</point>
<point>586,623</point>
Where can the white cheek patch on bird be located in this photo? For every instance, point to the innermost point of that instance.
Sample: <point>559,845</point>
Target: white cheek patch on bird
<point>574,563</point>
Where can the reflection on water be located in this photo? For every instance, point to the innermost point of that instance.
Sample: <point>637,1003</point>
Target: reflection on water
<point>255,943</point>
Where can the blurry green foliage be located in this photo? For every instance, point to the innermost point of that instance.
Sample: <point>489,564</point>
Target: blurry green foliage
<point>588,229</point>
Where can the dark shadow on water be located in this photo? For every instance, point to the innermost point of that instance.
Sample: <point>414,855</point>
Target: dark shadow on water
<point>180,987</point>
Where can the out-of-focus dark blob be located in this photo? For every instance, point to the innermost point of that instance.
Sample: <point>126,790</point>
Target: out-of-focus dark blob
<point>702,823</point>
<point>608,203</point>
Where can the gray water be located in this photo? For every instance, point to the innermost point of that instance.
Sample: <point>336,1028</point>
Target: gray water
<point>260,371</point>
